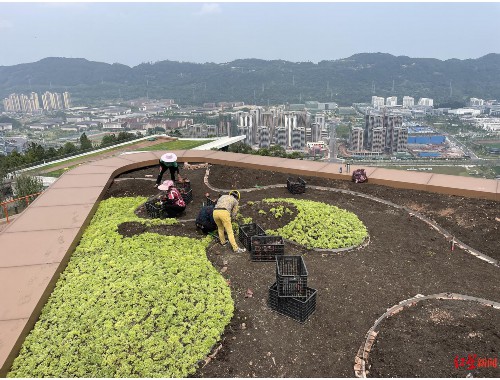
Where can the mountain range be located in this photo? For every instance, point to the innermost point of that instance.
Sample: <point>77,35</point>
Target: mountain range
<point>254,81</point>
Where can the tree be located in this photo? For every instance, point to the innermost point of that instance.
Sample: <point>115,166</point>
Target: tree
<point>277,151</point>
<point>108,140</point>
<point>240,147</point>
<point>69,148</point>
<point>34,153</point>
<point>123,136</point>
<point>85,143</point>
<point>26,185</point>
<point>51,152</point>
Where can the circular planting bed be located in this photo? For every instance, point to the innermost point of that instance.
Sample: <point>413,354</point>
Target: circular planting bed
<point>152,298</point>
<point>437,338</point>
<point>307,223</point>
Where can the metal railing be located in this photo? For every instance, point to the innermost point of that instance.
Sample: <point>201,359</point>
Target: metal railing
<point>16,205</point>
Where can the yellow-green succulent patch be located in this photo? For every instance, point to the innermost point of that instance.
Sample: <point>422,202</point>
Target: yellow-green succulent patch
<point>319,225</point>
<point>144,306</point>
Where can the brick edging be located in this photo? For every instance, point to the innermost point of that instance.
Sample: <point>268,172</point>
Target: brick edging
<point>361,359</point>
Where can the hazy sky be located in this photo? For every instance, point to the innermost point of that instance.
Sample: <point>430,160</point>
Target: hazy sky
<point>131,33</point>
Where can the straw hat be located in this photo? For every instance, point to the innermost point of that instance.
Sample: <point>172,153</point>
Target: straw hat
<point>166,184</point>
<point>169,157</point>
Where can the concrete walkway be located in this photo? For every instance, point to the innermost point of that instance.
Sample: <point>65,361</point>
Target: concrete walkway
<point>37,245</point>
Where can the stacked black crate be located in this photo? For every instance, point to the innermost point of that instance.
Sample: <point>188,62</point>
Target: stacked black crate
<point>290,295</point>
<point>247,231</point>
<point>262,247</point>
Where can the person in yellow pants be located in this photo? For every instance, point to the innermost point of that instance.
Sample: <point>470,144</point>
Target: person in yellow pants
<point>226,209</point>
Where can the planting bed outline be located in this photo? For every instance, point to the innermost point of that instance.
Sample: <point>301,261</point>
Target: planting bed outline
<point>411,213</point>
<point>361,358</point>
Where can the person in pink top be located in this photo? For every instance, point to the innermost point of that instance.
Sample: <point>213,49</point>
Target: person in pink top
<point>172,202</point>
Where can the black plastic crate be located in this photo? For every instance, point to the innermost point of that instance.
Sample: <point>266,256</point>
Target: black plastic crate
<point>299,309</point>
<point>296,187</point>
<point>266,248</point>
<point>291,276</point>
<point>187,195</point>
<point>185,185</point>
<point>153,210</point>
<point>246,231</point>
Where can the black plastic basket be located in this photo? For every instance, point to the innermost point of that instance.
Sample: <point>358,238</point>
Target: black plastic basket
<point>185,185</point>
<point>299,309</point>
<point>266,248</point>
<point>153,210</point>
<point>291,276</point>
<point>296,187</point>
<point>187,195</point>
<point>246,231</point>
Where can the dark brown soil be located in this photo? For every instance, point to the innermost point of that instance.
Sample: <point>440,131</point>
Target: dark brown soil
<point>470,220</point>
<point>409,338</point>
<point>405,257</point>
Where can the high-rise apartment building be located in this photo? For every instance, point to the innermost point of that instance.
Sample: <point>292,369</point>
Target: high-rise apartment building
<point>377,141</point>
<point>377,101</point>
<point>66,100</point>
<point>21,103</point>
<point>408,102</point>
<point>392,101</point>
<point>315,132</point>
<point>299,139</point>
<point>320,119</point>
<point>476,102</point>
<point>426,102</point>
<point>385,133</point>
<point>264,138</point>
<point>356,139</point>
<point>280,137</point>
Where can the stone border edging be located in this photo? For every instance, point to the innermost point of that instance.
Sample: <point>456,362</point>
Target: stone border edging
<point>361,359</point>
<point>410,212</point>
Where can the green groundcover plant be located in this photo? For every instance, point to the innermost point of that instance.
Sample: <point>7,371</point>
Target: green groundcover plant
<point>144,306</point>
<point>319,225</point>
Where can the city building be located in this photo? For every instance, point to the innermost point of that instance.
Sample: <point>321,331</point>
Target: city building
<point>264,137</point>
<point>426,102</point>
<point>476,102</point>
<point>315,134</point>
<point>391,101</point>
<point>281,137</point>
<point>385,133</point>
<point>22,103</point>
<point>66,100</point>
<point>356,139</point>
<point>377,101</point>
<point>298,138</point>
<point>408,101</point>
<point>245,130</point>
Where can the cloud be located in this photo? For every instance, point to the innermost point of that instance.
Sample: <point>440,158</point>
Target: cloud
<point>5,24</point>
<point>209,9</point>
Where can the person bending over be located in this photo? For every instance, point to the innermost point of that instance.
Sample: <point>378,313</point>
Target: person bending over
<point>172,202</point>
<point>168,162</point>
<point>226,209</point>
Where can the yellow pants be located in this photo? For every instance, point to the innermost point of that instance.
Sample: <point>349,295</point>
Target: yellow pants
<point>223,221</point>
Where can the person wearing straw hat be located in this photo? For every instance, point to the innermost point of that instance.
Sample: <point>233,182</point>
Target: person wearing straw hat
<point>225,209</point>
<point>168,161</point>
<point>172,202</point>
